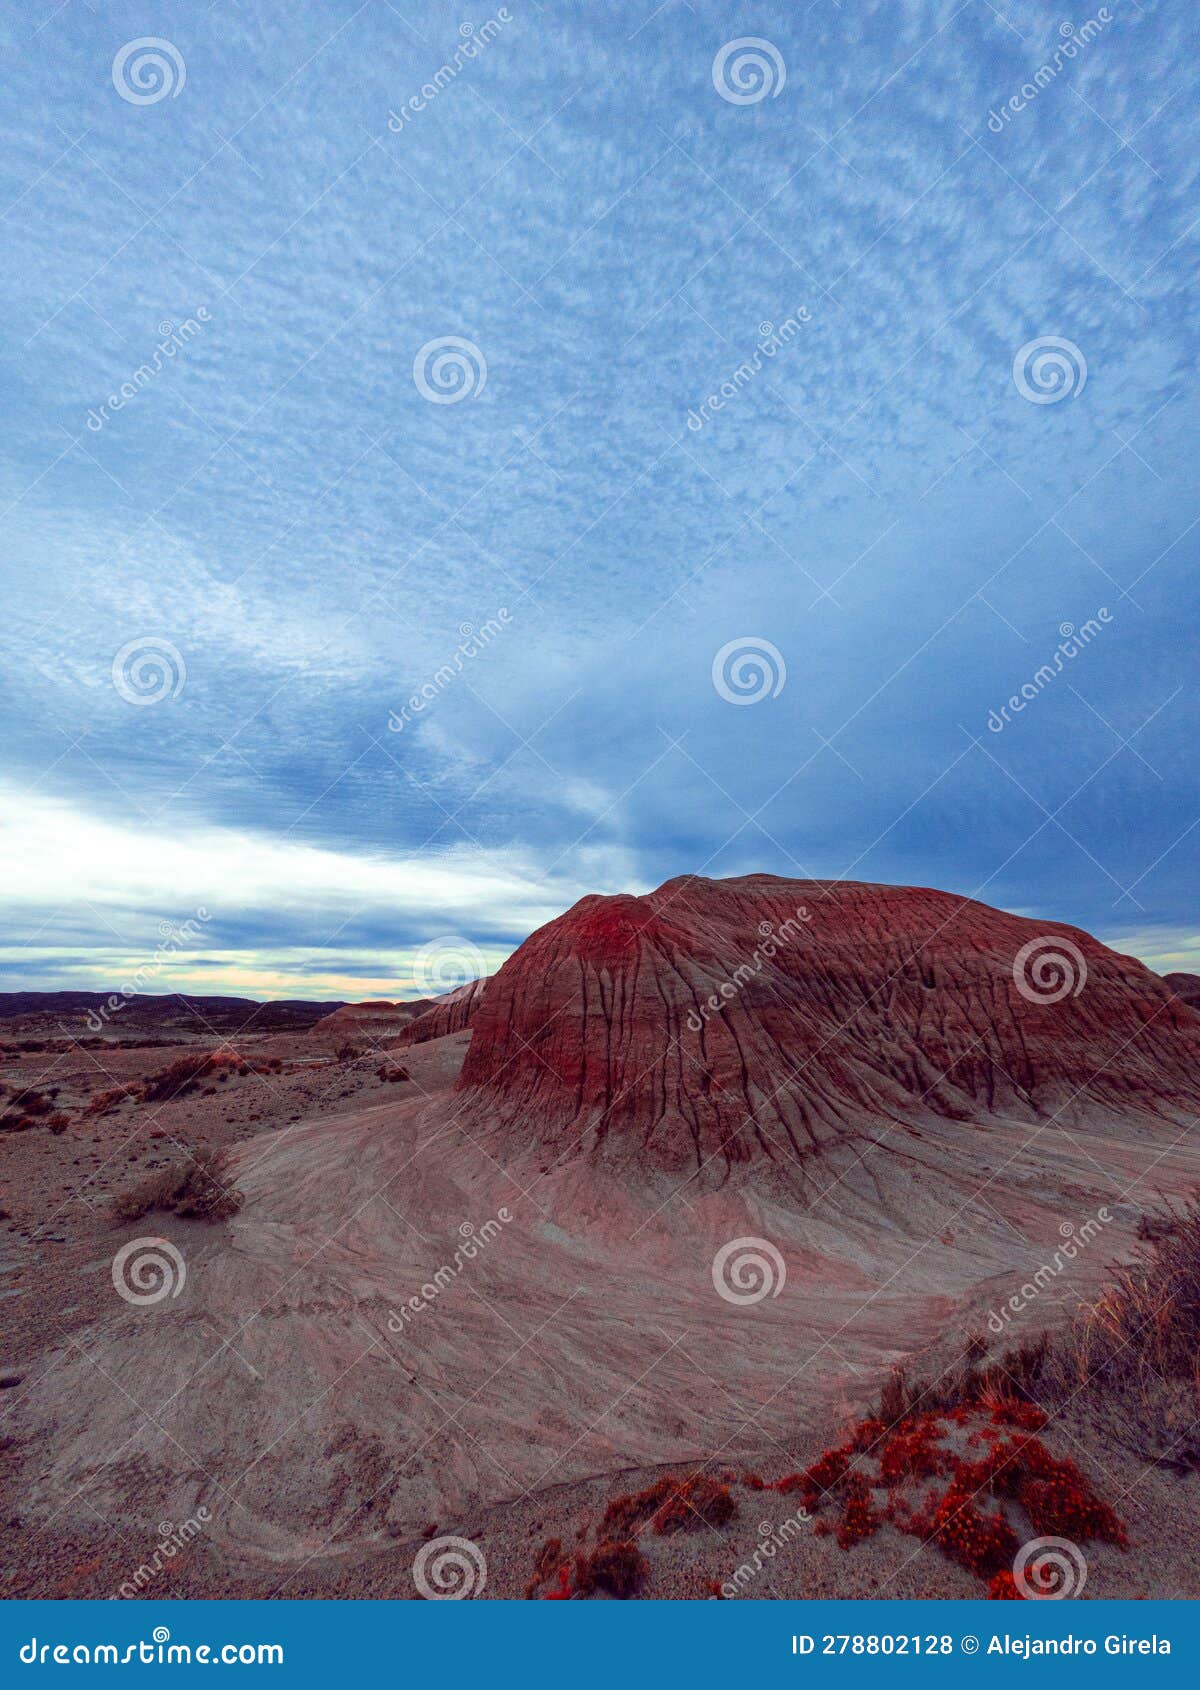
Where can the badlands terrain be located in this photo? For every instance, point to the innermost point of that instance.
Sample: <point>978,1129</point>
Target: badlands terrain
<point>745,1213</point>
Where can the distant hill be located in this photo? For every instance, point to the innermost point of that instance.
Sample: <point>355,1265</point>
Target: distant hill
<point>1185,986</point>
<point>168,1011</point>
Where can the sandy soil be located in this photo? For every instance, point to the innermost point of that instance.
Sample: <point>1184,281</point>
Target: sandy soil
<point>320,1434</point>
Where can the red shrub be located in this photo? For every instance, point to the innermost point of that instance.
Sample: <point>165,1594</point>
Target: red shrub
<point>698,1502</point>
<point>866,1435</point>
<point>982,1543</point>
<point>625,1513</point>
<point>1066,1506</point>
<point>858,1517</point>
<point>674,1505</point>
<point>1003,1588</point>
<point>549,1557</point>
<point>912,1451</point>
<point>562,1591</point>
<point>104,1102</point>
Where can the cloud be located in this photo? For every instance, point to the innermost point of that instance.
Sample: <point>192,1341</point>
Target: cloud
<point>878,500</point>
<point>70,879</point>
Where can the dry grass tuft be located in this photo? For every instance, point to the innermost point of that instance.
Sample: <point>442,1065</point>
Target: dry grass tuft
<point>198,1188</point>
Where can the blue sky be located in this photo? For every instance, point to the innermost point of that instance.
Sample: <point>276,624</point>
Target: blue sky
<point>283,513</point>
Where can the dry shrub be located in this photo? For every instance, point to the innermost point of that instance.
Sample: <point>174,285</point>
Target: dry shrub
<point>35,1102</point>
<point>674,1505</point>
<point>104,1102</point>
<point>1148,1323</point>
<point>198,1188</point>
<point>617,1568</point>
<point>186,1072</point>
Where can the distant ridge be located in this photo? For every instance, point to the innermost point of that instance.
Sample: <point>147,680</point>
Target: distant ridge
<point>171,1010</point>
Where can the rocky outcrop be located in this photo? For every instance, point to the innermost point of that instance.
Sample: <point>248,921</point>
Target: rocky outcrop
<point>371,1023</point>
<point>450,1014</point>
<point>725,1024</point>
<point>1185,986</point>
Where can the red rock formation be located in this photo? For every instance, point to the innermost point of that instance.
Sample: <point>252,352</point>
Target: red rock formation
<point>450,1014</point>
<point>717,1023</point>
<point>371,1023</point>
<point>1185,986</point>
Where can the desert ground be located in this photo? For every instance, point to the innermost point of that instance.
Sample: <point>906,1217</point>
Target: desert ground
<point>629,1294</point>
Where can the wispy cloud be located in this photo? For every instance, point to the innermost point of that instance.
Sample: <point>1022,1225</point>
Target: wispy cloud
<point>311,533</point>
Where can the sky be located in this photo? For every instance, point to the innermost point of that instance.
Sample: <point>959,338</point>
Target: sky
<point>458,460</point>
